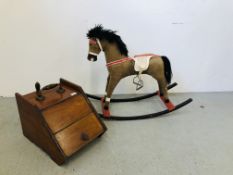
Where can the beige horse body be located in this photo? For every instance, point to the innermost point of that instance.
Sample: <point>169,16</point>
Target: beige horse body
<point>118,71</point>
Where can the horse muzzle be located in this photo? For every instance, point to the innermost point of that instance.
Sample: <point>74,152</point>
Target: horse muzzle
<point>91,57</point>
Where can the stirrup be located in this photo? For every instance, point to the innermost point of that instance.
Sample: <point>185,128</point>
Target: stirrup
<point>138,82</point>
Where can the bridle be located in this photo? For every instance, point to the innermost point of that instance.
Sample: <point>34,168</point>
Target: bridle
<point>97,41</point>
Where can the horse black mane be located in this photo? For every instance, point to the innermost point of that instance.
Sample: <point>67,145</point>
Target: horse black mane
<point>109,35</point>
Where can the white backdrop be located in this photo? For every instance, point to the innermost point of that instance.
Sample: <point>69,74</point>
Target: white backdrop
<point>43,40</point>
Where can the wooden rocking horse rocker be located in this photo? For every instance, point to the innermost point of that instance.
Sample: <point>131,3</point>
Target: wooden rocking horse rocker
<point>120,65</point>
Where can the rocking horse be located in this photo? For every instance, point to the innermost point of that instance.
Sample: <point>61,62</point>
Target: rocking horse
<point>120,65</point>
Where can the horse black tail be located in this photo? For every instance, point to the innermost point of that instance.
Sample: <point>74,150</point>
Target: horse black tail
<point>167,69</point>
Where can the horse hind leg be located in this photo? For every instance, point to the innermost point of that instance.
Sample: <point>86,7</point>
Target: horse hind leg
<point>164,94</point>
<point>162,83</point>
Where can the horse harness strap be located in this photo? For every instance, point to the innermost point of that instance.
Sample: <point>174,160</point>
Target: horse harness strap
<point>119,61</point>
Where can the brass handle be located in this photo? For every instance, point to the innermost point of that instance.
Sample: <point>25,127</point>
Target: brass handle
<point>39,95</point>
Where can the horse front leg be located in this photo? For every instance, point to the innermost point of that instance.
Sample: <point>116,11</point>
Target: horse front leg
<point>106,86</point>
<point>111,84</point>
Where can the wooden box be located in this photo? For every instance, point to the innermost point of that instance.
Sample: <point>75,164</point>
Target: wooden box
<point>62,123</point>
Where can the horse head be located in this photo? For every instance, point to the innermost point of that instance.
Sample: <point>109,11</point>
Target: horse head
<point>95,48</point>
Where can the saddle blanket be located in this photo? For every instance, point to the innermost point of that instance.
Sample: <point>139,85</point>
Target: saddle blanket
<point>142,62</point>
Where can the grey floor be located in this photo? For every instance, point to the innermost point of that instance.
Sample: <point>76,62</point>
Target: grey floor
<point>195,140</point>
